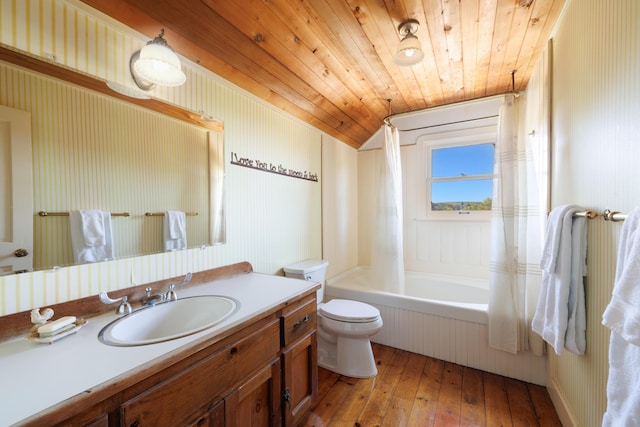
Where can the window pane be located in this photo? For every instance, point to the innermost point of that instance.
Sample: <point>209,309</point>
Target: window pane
<point>464,195</point>
<point>462,160</point>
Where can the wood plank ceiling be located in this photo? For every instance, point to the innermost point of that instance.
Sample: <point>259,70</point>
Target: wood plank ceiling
<point>330,62</point>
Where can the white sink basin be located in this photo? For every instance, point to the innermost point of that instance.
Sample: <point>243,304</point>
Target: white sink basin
<point>168,321</point>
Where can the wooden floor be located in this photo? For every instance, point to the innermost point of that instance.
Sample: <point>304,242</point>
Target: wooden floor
<point>414,390</point>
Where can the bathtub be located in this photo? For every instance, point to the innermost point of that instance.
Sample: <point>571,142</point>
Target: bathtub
<point>440,316</point>
<point>441,295</point>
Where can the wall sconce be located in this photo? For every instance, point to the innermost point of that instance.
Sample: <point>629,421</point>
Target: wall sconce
<point>409,50</point>
<point>156,64</point>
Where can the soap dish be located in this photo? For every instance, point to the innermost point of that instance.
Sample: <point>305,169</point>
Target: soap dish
<point>35,337</point>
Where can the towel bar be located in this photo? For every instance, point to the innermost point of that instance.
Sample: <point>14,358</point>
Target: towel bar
<point>44,213</point>
<point>607,215</point>
<point>162,213</point>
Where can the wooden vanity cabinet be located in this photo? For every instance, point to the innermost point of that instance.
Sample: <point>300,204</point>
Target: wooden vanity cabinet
<point>268,378</point>
<point>263,374</point>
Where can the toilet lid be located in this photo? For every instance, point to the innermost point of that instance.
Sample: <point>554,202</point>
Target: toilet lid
<point>349,311</point>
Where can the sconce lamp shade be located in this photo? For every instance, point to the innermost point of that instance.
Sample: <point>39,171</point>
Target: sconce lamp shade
<point>156,64</point>
<point>409,50</point>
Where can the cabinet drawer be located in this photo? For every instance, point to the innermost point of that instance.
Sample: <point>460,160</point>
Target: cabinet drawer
<point>172,401</point>
<point>298,321</point>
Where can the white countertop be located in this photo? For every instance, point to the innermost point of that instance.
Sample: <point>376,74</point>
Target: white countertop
<point>34,376</point>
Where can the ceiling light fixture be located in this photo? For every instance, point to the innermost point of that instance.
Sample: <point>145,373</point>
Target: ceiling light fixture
<point>156,64</point>
<point>409,50</point>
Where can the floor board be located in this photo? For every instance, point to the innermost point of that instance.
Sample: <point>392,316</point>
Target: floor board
<point>414,390</point>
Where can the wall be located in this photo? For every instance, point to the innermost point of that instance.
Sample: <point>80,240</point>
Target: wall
<point>272,220</point>
<point>339,205</point>
<point>595,128</point>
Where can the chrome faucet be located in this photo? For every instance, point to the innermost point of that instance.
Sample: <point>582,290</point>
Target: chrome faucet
<point>149,299</point>
<point>170,295</point>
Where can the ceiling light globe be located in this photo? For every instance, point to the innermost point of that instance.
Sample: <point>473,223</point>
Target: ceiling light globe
<point>160,65</point>
<point>409,51</point>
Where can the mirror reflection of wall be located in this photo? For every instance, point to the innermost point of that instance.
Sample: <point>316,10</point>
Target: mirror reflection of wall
<point>91,151</point>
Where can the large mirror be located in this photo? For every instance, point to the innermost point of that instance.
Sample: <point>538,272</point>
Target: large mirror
<point>96,149</point>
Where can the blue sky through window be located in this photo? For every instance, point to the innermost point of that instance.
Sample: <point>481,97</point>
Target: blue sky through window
<point>466,160</point>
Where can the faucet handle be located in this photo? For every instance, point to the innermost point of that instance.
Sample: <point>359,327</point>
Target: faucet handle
<point>186,279</point>
<point>123,308</point>
<point>171,294</point>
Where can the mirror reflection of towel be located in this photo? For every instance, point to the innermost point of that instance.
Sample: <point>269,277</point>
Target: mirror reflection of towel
<point>175,233</point>
<point>92,227</point>
<point>91,236</point>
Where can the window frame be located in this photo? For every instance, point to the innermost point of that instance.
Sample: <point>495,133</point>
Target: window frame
<point>466,137</point>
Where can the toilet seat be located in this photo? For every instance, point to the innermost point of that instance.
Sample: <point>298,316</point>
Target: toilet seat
<point>349,311</point>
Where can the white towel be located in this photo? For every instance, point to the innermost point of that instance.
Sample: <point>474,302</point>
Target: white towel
<point>622,316</point>
<point>575,339</point>
<point>175,231</point>
<point>560,309</point>
<point>552,237</point>
<point>87,234</point>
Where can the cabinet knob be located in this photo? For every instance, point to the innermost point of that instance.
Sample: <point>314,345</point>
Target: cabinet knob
<point>302,321</point>
<point>233,351</point>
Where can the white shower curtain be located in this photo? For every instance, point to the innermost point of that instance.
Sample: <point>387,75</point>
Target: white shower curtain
<point>517,227</point>
<point>387,255</point>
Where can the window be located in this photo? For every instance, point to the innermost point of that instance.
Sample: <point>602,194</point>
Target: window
<point>460,178</point>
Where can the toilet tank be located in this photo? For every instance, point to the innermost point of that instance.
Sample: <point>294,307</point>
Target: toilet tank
<point>310,269</point>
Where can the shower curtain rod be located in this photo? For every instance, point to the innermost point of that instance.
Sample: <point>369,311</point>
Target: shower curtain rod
<point>607,215</point>
<point>387,121</point>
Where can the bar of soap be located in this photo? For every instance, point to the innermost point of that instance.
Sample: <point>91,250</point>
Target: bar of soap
<point>57,331</point>
<point>57,324</point>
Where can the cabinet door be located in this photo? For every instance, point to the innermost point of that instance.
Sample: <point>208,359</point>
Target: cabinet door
<point>214,417</point>
<point>300,379</point>
<point>256,403</point>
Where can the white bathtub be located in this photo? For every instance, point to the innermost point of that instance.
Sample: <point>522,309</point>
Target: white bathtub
<point>447,296</point>
<point>440,316</point>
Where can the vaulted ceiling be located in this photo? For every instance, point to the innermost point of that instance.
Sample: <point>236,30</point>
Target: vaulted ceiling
<point>330,62</point>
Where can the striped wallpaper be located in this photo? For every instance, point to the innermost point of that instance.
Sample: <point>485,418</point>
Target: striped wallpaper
<point>271,220</point>
<point>595,110</point>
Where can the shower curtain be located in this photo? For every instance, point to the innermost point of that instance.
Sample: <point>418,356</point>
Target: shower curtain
<point>387,257</point>
<point>517,230</point>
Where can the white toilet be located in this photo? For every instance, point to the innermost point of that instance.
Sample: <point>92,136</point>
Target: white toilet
<point>344,326</point>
